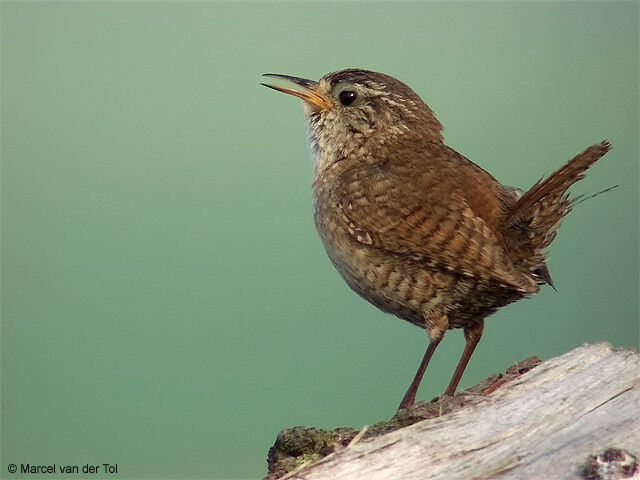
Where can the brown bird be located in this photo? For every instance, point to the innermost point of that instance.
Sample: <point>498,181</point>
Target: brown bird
<point>413,226</point>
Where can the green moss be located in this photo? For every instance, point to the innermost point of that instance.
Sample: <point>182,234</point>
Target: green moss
<point>301,445</point>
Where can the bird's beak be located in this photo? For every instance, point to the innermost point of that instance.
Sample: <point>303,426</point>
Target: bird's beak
<point>309,91</point>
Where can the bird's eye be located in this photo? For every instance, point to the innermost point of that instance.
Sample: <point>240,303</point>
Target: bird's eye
<point>347,97</point>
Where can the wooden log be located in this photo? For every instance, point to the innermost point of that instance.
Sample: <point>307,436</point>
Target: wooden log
<point>576,416</point>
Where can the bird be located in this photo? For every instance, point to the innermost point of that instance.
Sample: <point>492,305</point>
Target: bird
<point>413,226</point>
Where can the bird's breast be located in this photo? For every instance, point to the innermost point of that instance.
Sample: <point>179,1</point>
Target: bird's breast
<point>401,286</point>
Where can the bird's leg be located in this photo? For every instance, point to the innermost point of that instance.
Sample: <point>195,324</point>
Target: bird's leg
<point>435,325</point>
<point>410,397</point>
<point>472,336</point>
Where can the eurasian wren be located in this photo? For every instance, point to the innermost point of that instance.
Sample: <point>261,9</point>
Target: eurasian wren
<point>414,227</point>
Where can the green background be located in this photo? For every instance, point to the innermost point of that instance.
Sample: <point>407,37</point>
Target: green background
<point>166,303</point>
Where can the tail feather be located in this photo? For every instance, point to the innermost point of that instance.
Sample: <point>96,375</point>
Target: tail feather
<point>559,181</point>
<point>582,198</point>
<point>535,217</point>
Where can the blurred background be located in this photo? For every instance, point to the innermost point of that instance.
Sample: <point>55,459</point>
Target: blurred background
<point>167,305</point>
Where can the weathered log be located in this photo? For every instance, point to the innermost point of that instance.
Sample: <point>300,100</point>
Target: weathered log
<point>576,416</point>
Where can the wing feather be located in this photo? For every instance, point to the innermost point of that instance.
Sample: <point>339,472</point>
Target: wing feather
<point>432,216</point>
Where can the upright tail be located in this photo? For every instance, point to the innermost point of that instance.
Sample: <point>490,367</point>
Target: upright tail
<point>534,219</point>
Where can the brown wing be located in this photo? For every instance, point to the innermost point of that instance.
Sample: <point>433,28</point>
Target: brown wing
<point>441,209</point>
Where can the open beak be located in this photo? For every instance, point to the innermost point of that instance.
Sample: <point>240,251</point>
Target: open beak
<point>308,91</point>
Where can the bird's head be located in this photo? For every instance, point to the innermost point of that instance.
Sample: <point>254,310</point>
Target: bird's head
<point>358,110</point>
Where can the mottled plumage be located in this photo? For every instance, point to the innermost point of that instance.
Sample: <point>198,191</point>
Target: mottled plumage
<point>414,227</point>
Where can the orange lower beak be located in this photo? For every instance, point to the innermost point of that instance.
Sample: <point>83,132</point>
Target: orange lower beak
<point>308,92</point>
